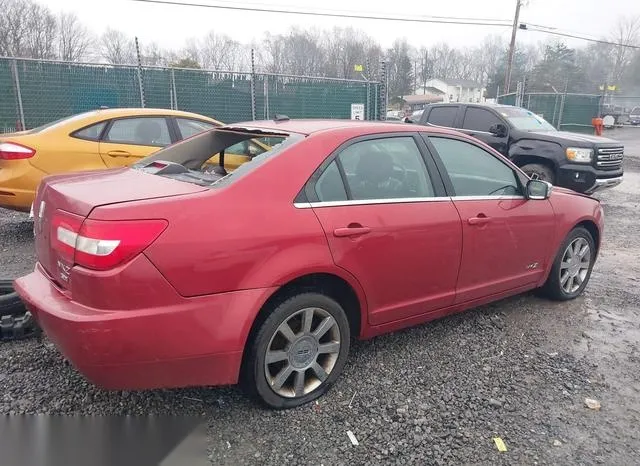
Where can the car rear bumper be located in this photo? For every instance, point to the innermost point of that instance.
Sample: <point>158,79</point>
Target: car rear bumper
<point>18,180</point>
<point>198,342</point>
<point>16,199</point>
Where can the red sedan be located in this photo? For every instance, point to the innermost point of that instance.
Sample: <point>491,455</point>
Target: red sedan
<point>174,273</point>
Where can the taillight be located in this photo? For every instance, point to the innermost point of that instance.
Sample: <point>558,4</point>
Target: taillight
<point>15,151</point>
<point>101,244</point>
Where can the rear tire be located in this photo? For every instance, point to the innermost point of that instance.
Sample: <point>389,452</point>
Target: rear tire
<point>572,266</point>
<point>298,352</point>
<point>10,302</point>
<point>544,172</point>
<point>15,321</point>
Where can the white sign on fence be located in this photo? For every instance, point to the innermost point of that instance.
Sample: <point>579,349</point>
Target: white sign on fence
<point>357,111</point>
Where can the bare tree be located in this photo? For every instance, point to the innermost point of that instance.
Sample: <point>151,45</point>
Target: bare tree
<point>220,52</point>
<point>273,57</point>
<point>73,38</point>
<point>43,30</point>
<point>153,55</point>
<point>117,48</point>
<point>626,33</point>
<point>304,53</point>
<point>13,28</point>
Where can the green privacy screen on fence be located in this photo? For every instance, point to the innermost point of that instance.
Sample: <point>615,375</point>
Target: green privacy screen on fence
<point>568,112</point>
<point>38,92</point>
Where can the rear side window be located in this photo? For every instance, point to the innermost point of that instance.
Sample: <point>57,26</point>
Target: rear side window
<point>91,133</point>
<point>140,131</point>
<point>189,127</point>
<point>329,186</point>
<point>479,119</point>
<point>443,116</point>
<point>475,172</point>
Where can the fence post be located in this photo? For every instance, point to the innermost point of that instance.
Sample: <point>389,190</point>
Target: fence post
<point>173,89</point>
<point>266,96</point>
<point>16,81</point>
<point>383,90</point>
<point>253,84</point>
<point>140,85</point>
<point>562,99</point>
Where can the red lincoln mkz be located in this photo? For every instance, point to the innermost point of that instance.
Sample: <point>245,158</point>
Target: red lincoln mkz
<point>175,273</point>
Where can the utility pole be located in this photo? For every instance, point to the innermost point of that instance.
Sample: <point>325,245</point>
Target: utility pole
<point>512,47</point>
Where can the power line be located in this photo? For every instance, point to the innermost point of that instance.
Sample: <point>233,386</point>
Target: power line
<point>414,19</point>
<point>280,6</point>
<point>574,36</point>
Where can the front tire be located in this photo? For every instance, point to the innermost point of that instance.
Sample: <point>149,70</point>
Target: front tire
<point>298,352</point>
<point>572,266</point>
<point>544,172</point>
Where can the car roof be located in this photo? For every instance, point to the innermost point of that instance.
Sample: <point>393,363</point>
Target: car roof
<point>310,126</point>
<point>475,104</point>
<point>134,111</point>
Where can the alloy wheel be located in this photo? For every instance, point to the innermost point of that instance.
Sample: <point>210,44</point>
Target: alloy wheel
<point>302,352</point>
<point>575,265</point>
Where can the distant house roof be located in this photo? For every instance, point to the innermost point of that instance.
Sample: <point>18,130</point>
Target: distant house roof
<point>466,83</point>
<point>421,99</point>
<point>433,90</point>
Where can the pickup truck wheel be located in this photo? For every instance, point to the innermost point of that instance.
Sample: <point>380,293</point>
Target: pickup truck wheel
<point>298,352</point>
<point>572,266</point>
<point>544,173</point>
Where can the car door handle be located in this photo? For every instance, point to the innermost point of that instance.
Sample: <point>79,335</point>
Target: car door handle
<point>351,231</point>
<point>118,153</point>
<point>479,220</point>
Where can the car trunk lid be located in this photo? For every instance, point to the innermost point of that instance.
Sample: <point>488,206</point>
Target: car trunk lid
<point>72,197</point>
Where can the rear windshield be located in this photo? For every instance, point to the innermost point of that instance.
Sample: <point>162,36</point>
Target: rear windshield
<point>200,159</point>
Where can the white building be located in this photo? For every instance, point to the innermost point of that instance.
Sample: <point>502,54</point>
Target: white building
<point>454,90</point>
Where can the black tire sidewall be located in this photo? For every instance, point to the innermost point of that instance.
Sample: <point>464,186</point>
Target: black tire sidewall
<point>10,302</point>
<point>540,168</point>
<point>256,381</point>
<point>552,287</point>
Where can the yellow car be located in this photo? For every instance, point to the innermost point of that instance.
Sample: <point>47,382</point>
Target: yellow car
<point>98,139</point>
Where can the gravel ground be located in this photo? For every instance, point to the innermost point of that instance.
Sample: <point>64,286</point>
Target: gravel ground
<point>519,369</point>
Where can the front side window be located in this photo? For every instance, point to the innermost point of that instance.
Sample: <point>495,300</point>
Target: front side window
<point>479,119</point>
<point>140,131</point>
<point>189,127</point>
<point>388,168</point>
<point>474,171</point>
<point>443,116</point>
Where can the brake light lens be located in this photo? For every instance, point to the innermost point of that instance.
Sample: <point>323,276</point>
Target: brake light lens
<point>15,151</point>
<point>101,244</point>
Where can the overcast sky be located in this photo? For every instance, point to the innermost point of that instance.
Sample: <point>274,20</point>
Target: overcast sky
<point>170,26</point>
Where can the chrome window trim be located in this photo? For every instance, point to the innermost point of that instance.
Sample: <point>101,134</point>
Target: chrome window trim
<point>487,198</point>
<point>398,200</point>
<point>402,200</point>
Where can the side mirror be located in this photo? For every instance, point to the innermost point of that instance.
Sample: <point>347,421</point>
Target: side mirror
<point>538,190</point>
<point>498,130</point>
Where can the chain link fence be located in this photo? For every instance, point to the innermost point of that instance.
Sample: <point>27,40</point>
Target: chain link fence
<point>35,92</point>
<point>568,112</point>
